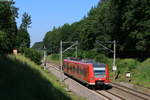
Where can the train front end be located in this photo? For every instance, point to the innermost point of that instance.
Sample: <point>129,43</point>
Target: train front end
<point>100,74</point>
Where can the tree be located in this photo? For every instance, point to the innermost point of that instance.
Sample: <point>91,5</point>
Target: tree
<point>23,38</point>
<point>26,21</point>
<point>38,46</point>
<point>8,27</point>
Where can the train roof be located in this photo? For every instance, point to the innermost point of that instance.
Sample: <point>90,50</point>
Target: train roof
<point>87,61</point>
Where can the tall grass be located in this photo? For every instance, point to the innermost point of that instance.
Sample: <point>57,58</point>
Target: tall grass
<point>142,73</point>
<point>22,79</point>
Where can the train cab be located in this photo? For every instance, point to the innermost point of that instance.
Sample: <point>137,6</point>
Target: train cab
<point>100,73</point>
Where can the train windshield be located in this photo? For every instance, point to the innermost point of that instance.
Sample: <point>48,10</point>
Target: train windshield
<point>99,72</point>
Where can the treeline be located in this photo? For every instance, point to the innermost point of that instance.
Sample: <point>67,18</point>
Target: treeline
<point>12,37</point>
<point>126,21</point>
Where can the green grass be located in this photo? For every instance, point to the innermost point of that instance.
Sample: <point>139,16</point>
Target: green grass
<point>142,74</point>
<point>22,79</point>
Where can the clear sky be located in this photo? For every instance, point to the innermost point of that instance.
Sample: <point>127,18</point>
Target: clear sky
<point>48,13</point>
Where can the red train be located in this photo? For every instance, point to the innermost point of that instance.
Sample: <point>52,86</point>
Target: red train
<point>87,71</point>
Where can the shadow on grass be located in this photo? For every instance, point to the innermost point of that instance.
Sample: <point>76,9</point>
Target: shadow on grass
<point>18,81</point>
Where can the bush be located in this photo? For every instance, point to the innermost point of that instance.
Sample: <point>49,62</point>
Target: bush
<point>127,64</point>
<point>143,71</point>
<point>33,54</point>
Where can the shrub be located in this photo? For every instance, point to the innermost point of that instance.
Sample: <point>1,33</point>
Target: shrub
<point>143,71</point>
<point>127,64</point>
<point>33,54</point>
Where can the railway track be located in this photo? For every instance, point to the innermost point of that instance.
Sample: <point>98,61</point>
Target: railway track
<point>130,89</point>
<point>111,95</point>
<point>108,95</point>
<point>140,95</point>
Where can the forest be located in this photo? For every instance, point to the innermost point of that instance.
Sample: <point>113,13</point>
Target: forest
<point>125,21</point>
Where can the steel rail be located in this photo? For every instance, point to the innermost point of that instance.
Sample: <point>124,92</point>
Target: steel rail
<point>116,95</point>
<point>131,89</point>
<point>143,98</point>
<point>103,95</point>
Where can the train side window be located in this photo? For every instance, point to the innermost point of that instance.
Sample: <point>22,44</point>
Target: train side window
<point>78,70</point>
<point>69,67</point>
<point>73,68</point>
<point>65,65</point>
<point>82,70</point>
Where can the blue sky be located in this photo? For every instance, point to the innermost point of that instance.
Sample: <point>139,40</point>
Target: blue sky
<point>48,13</point>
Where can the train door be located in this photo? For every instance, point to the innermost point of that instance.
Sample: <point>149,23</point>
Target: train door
<point>91,74</point>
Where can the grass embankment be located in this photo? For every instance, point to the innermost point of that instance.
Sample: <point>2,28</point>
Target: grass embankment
<point>140,71</point>
<point>21,79</point>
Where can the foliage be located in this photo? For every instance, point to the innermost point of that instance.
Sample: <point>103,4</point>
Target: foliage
<point>101,58</point>
<point>8,26</point>
<point>38,46</point>
<point>26,21</point>
<point>33,54</point>
<point>127,65</point>
<point>2,41</point>
<point>142,73</point>
<point>23,37</point>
